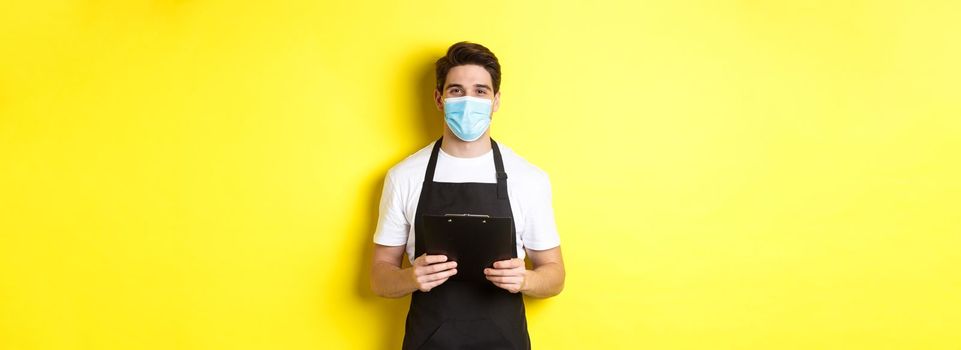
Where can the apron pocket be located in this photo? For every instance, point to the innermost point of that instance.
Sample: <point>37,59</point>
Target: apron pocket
<point>480,334</point>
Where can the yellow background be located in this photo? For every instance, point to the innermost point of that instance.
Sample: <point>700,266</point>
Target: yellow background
<point>727,174</point>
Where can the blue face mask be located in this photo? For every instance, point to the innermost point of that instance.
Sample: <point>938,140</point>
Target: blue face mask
<point>467,116</point>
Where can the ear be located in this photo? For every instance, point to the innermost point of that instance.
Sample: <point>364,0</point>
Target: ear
<point>497,102</point>
<point>438,100</point>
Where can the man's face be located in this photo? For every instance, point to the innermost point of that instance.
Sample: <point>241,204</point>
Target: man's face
<point>468,80</point>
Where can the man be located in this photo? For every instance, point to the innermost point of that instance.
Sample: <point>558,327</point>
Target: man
<point>465,171</point>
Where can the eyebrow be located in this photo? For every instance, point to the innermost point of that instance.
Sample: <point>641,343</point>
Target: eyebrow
<point>475,85</point>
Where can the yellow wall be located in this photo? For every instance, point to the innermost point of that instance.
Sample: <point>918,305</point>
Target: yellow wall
<point>727,174</point>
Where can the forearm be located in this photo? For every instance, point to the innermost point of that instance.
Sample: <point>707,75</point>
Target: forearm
<point>390,281</point>
<point>544,281</point>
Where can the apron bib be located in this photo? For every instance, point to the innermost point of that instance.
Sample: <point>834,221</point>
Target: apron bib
<point>464,314</point>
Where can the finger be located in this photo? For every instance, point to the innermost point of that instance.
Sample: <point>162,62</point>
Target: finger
<point>424,259</point>
<point>439,267</point>
<point>431,285</point>
<point>437,276</point>
<point>433,259</point>
<point>503,272</point>
<point>505,279</point>
<point>435,268</point>
<point>508,264</point>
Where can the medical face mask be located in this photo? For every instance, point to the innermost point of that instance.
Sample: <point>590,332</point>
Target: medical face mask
<point>467,116</point>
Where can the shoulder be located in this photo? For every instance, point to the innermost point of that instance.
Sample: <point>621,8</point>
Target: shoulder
<point>522,171</point>
<point>411,169</point>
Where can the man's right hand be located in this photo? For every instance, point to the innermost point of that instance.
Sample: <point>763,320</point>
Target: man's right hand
<point>429,271</point>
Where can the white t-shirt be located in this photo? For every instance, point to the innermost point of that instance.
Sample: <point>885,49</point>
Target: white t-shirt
<point>528,188</point>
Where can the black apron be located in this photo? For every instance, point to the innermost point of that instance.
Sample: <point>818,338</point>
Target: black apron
<point>464,314</point>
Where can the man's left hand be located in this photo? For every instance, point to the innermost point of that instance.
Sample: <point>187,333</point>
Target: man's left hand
<point>508,274</point>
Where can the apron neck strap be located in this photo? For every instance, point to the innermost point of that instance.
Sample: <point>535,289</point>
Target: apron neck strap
<point>432,163</point>
<point>501,174</point>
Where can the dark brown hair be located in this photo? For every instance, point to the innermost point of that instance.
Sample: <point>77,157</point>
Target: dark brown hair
<point>464,53</point>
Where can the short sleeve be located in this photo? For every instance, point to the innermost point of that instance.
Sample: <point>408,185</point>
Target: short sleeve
<point>392,224</point>
<point>540,230</point>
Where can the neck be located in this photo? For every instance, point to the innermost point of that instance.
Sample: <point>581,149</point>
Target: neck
<point>463,149</point>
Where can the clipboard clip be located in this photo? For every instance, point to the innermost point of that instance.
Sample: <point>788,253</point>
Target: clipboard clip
<point>470,215</point>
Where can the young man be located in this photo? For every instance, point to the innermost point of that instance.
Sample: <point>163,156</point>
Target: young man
<point>466,172</point>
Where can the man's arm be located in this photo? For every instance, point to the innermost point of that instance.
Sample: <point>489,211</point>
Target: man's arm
<point>388,279</point>
<point>545,280</point>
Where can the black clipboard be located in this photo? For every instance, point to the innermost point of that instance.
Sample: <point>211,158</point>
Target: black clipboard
<point>475,242</point>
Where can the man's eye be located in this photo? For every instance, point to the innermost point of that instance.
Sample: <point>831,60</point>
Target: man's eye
<point>481,92</point>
